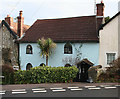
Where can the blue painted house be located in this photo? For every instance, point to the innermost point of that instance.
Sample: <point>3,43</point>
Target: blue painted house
<point>76,37</point>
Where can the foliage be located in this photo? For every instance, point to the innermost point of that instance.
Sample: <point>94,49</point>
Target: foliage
<point>78,51</point>
<point>46,46</point>
<point>107,19</point>
<point>8,73</point>
<point>112,74</point>
<point>46,74</point>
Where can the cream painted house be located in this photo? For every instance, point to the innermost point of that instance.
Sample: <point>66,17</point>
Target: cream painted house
<point>109,41</point>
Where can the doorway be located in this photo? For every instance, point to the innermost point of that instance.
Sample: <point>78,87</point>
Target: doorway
<point>83,67</point>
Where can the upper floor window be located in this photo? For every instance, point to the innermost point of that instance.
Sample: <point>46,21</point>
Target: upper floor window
<point>29,65</point>
<point>110,57</point>
<point>29,49</point>
<point>68,48</point>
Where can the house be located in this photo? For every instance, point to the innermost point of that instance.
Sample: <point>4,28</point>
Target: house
<point>8,47</point>
<point>76,37</point>
<point>9,32</point>
<point>109,41</point>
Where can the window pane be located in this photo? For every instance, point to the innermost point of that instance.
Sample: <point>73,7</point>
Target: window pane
<point>110,57</point>
<point>68,48</point>
<point>29,49</point>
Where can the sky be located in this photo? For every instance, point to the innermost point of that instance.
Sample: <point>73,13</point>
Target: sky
<point>49,9</point>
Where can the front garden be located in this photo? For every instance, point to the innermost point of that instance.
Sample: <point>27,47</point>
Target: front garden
<point>112,73</point>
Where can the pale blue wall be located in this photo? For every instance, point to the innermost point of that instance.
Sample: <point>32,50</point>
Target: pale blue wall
<point>88,50</point>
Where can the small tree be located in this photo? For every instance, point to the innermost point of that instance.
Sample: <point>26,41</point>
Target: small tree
<point>46,46</point>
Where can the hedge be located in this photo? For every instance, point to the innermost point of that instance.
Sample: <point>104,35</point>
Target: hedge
<point>8,73</point>
<point>46,74</point>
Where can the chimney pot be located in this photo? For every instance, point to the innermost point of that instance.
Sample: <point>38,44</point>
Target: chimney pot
<point>100,9</point>
<point>101,1</point>
<point>9,20</point>
<point>8,15</point>
<point>20,14</point>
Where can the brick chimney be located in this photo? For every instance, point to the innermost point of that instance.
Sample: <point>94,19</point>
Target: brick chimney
<point>20,24</point>
<point>100,9</point>
<point>9,20</point>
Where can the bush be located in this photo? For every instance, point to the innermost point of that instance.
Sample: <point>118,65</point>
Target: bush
<point>8,73</point>
<point>112,74</point>
<point>46,74</point>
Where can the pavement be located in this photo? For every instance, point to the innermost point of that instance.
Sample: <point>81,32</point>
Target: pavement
<point>50,85</point>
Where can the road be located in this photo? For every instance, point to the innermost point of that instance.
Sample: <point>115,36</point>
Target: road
<point>69,91</point>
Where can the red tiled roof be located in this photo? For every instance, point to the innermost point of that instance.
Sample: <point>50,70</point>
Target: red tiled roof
<point>74,29</point>
<point>14,27</point>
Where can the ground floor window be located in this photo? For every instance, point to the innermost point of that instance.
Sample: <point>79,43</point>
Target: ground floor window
<point>110,57</point>
<point>29,65</point>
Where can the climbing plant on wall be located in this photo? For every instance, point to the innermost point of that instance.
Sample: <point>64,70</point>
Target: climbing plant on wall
<point>74,60</point>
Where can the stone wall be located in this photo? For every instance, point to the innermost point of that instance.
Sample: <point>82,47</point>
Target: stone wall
<point>9,47</point>
<point>0,45</point>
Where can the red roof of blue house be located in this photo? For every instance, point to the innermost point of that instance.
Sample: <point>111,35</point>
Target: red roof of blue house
<point>74,29</point>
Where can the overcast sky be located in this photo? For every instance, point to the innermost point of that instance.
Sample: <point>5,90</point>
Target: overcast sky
<point>46,9</point>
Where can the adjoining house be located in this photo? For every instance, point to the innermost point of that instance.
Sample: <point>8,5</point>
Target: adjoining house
<point>9,32</point>
<point>76,37</point>
<point>109,35</point>
<point>8,47</point>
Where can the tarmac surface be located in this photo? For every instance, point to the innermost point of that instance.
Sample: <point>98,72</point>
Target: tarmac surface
<point>62,90</point>
<point>49,85</point>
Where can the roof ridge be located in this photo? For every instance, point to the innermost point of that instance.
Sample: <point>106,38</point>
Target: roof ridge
<point>9,29</point>
<point>66,18</point>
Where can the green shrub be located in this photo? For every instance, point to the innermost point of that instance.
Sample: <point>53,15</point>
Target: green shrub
<point>8,73</point>
<point>46,74</point>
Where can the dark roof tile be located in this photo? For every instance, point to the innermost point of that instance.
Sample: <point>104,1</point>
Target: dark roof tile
<point>65,29</point>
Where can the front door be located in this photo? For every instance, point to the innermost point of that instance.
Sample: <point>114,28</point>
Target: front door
<point>83,72</point>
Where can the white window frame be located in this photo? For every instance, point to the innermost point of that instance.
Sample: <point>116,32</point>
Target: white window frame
<point>110,53</point>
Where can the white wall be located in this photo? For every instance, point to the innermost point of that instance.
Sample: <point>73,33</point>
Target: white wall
<point>108,41</point>
<point>119,35</point>
<point>88,50</point>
